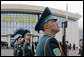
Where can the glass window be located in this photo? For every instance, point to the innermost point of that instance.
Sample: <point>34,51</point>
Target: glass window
<point>6,26</point>
<point>4,39</point>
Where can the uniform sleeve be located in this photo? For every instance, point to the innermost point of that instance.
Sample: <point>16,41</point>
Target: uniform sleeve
<point>19,50</point>
<point>52,48</point>
<point>28,51</point>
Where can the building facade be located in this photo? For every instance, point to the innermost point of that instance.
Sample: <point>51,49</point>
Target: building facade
<point>15,16</point>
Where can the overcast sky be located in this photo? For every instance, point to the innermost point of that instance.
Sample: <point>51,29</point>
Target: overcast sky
<point>73,6</point>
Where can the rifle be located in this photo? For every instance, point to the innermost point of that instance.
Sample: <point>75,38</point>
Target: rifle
<point>64,47</point>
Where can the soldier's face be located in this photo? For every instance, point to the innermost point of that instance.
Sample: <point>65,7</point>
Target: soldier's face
<point>16,42</point>
<point>53,25</point>
<point>28,37</point>
<point>19,40</point>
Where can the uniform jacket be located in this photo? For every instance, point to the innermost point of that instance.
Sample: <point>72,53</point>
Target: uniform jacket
<point>27,50</point>
<point>48,46</point>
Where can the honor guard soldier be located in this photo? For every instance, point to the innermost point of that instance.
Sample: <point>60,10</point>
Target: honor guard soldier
<point>27,49</point>
<point>48,45</point>
<point>15,47</point>
<point>18,38</point>
<point>19,46</point>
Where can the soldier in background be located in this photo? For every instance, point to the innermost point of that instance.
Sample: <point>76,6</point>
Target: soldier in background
<point>17,43</point>
<point>73,46</point>
<point>15,47</point>
<point>27,48</point>
<point>70,46</point>
<point>19,47</point>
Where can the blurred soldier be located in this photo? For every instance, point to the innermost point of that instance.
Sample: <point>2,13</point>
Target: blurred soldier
<point>73,46</point>
<point>67,48</point>
<point>48,45</point>
<point>27,49</point>
<point>82,51</point>
<point>17,46</point>
<point>81,47</point>
<point>70,46</point>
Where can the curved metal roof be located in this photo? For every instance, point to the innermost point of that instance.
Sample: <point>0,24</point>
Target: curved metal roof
<point>36,9</point>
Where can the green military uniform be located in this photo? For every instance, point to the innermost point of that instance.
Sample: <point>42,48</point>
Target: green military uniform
<point>48,45</point>
<point>27,49</point>
<point>19,49</point>
<point>15,49</point>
